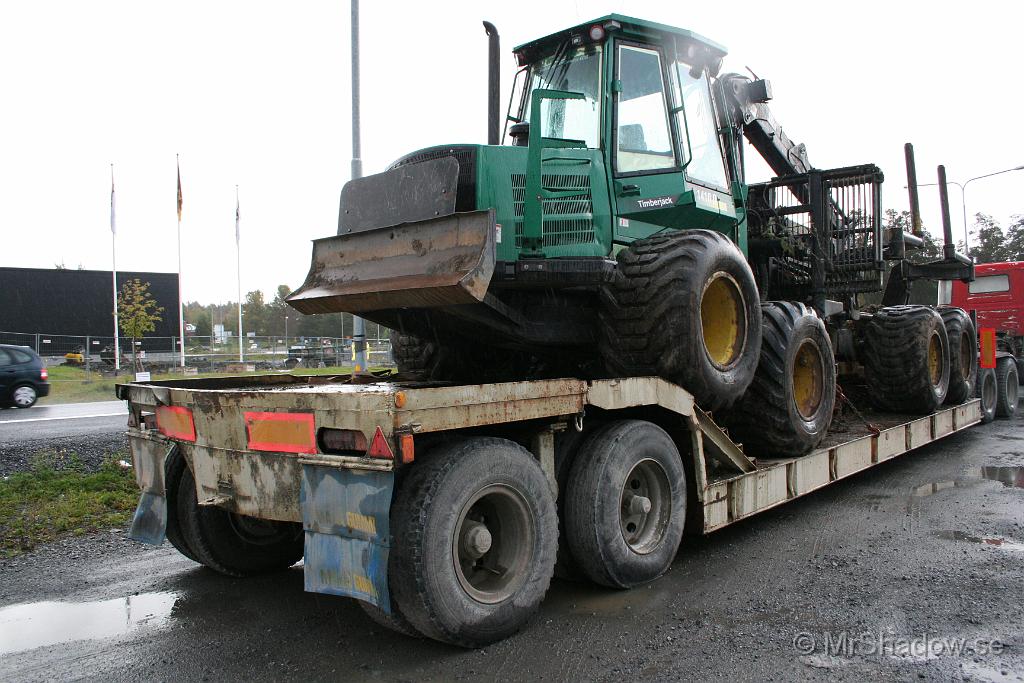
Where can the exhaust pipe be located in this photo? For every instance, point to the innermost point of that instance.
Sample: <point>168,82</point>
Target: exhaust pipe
<point>948,248</point>
<point>493,83</point>
<point>915,204</point>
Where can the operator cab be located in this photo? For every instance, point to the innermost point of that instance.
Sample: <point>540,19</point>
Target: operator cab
<point>640,94</point>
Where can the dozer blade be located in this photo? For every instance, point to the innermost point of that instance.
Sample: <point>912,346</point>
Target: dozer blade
<point>443,261</point>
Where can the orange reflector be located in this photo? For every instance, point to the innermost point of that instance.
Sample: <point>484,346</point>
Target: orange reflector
<point>988,347</point>
<point>281,432</point>
<point>379,447</point>
<point>400,399</point>
<point>176,422</point>
<point>407,448</point>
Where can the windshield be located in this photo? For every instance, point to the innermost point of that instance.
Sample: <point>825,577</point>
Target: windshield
<point>706,164</point>
<point>573,70</point>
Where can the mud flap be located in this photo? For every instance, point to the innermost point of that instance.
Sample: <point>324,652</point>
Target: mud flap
<point>345,519</point>
<point>149,525</point>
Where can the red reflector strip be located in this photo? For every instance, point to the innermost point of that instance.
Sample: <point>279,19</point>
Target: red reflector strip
<point>988,347</point>
<point>176,422</point>
<point>379,447</point>
<point>281,432</point>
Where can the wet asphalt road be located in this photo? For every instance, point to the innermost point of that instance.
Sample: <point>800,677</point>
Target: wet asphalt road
<point>62,420</point>
<point>924,549</point>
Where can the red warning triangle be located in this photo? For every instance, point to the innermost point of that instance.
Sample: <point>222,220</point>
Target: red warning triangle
<point>379,447</point>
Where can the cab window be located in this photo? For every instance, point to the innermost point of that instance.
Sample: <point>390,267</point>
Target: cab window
<point>703,157</point>
<point>573,70</point>
<point>642,138</point>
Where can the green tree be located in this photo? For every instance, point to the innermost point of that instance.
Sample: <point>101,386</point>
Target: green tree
<point>988,242</point>
<point>137,313</point>
<point>254,313</point>
<point>204,328</point>
<point>1015,239</point>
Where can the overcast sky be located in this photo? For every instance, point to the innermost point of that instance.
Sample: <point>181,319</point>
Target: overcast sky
<point>257,94</point>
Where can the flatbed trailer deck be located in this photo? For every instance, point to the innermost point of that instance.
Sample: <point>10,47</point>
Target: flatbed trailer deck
<point>330,454</point>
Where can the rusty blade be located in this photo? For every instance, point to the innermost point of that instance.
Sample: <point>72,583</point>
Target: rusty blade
<point>443,261</point>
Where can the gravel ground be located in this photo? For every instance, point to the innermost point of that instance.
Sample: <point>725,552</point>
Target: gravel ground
<point>60,452</point>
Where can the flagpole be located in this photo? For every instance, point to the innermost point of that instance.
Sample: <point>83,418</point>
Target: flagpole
<point>113,273</point>
<point>181,303</point>
<point>238,264</point>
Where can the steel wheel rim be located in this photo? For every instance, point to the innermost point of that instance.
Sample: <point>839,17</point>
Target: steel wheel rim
<point>24,396</point>
<point>258,531</point>
<point>988,390</point>
<point>1012,389</point>
<point>493,544</point>
<point>808,379</point>
<point>643,530</point>
<point>935,359</point>
<point>723,320</point>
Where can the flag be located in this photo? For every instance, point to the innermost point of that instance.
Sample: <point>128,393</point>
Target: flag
<point>179,188</point>
<point>238,234</point>
<point>113,218</point>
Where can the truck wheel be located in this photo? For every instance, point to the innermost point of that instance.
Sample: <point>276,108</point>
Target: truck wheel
<point>906,359</point>
<point>475,537</point>
<point>567,445</point>
<point>963,354</point>
<point>626,504</point>
<point>232,544</point>
<point>788,408</point>
<point>174,468</point>
<point>1007,387</point>
<point>685,307</point>
<point>988,391</point>
<point>395,621</point>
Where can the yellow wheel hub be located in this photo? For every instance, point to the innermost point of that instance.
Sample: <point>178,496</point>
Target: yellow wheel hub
<point>808,379</point>
<point>935,359</point>
<point>723,321</point>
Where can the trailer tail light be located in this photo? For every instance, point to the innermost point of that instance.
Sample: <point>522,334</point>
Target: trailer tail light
<point>342,441</point>
<point>43,375</point>
<point>281,432</point>
<point>988,347</point>
<point>379,447</point>
<point>176,422</point>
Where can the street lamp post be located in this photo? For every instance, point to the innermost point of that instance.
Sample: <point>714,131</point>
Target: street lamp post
<point>286,333</point>
<point>963,193</point>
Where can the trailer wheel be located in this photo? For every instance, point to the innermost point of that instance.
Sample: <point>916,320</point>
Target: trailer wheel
<point>567,445</point>
<point>906,359</point>
<point>1007,387</point>
<point>395,621</point>
<point>626,504</point>
<point>963,354</point>
<point>788,408</point>
<point>174,468</point>
<point>475,537</point>
<point>987,390</point>
<point>232,544</point>
<point>685,307</point>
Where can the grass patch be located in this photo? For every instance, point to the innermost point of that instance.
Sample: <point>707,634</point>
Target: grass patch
<point>75,385</point>
<point>44,504</point>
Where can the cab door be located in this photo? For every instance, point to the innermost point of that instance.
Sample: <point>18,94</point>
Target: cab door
<point>650,150</point>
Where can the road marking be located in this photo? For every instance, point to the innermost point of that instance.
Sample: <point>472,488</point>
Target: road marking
<point>70,417</point>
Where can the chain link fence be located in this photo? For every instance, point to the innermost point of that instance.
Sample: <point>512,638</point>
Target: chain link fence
<point>202,354</point>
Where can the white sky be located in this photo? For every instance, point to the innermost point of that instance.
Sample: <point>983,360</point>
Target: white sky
<point>257,94</point>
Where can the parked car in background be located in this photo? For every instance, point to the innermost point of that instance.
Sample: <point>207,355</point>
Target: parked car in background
<point>23,376</point>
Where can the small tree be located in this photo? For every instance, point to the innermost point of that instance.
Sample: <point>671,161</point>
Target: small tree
<point>137,313</point>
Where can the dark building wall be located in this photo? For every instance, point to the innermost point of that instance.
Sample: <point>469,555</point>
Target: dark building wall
<point>77,302</point>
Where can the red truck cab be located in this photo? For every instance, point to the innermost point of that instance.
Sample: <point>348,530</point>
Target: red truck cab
<point>997,294</point>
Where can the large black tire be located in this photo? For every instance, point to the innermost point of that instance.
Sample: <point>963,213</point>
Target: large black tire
<point>235,545</point>
<point>174,467</point>
<point>412,354</point>
<point>567,445</point>
<point>1007,387</point>
<point>684,306</point>
<point>395,621</point>
<point>906,359</point>
<point>626,504</point>
<point>460,363</point>
<point>475,534</point>
<point>963,354</point>
<point>988,391</point>
<point>788,408</point>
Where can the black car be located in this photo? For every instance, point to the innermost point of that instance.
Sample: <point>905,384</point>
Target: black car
<point>22,376</point>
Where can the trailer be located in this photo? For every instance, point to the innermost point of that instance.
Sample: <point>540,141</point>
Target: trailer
<point>446,509</point>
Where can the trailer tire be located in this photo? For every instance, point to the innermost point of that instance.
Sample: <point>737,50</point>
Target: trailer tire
<point>174,468</point>
<point>1007,386</point>
<point>395,621</point>
<point>684,306</point>
<point>567,445</point>
<point>236,545</point>
<point>626,504</point>
<point>475,535</point>
<point>988,391</point>
<point>906,359</point>
<point>963,354</point>
<point>788,408</point>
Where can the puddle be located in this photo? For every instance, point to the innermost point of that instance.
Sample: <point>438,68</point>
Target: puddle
<point>36,624</point>
<point>995,541</point>
<point>1011,476</point>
